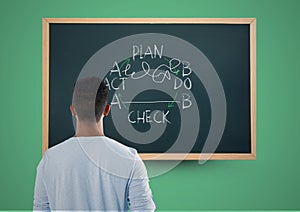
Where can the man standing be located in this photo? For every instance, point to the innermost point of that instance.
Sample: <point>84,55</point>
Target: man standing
<point>91,171</point>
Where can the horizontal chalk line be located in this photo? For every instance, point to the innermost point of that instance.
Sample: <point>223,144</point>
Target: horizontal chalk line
<point>147,102</point>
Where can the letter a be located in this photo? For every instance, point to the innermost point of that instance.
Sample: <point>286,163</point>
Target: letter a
<point>117,101</point>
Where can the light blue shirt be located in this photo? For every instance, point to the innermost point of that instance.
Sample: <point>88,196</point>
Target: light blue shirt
<point>92,173</point>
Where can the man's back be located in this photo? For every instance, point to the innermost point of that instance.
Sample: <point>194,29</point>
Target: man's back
<point>92,173</point>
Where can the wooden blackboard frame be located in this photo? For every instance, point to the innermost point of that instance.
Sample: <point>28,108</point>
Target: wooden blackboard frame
<point>155,156</point>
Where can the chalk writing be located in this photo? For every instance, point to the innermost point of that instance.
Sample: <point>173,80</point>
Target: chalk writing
<point>139,66</point>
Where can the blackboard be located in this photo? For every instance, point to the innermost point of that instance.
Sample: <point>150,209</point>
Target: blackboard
<point>178,88</point>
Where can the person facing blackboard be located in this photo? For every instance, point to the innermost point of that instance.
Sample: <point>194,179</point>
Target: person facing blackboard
<point>90,171</point>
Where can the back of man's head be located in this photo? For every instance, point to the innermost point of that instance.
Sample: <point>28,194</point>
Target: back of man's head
<point>89,98</point>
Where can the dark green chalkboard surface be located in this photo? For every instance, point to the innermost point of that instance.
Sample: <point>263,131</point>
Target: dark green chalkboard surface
<point>178,88</point>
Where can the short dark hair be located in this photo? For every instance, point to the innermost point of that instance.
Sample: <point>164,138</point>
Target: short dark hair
<point>89,98</point>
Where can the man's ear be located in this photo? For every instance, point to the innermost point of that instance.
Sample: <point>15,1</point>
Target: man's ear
<point>72,109</point>
<point>106,110</point>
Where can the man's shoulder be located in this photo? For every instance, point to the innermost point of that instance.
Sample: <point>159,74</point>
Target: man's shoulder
<point>107,154</point>
<point>100,144</point>
<point>60,146</point>
<point>59,151</point>
<point>120,148</point>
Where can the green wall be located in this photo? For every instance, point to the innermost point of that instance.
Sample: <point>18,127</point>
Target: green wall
<point>270,182</point>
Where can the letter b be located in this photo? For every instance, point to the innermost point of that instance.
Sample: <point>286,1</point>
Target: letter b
<point>186,102</point>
